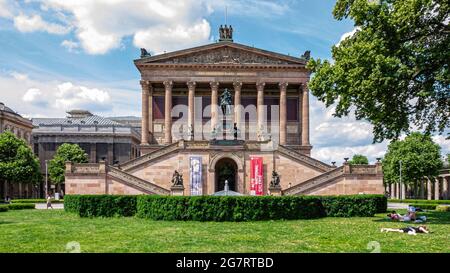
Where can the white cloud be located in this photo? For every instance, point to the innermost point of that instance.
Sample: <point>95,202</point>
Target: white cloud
<point>19,76</point>
<point>33,23</point>
<point>348,34</point>
<point>6,10</point>
<point>70,45</point>
<point>70,96</point>
<point>32,94</point>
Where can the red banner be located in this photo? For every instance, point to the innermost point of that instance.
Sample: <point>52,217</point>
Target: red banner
<point>256,176</point>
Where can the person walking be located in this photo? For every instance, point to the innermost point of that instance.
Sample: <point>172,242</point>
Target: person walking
<point>49,201</point>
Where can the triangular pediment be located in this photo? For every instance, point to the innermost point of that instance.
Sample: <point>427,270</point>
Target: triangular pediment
<point>223,53</point>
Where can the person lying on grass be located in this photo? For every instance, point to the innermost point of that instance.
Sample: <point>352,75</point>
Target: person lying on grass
<point>409,216</point>
<point>409,230</point>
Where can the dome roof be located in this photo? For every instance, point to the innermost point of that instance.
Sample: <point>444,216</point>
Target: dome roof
<point>5,108</point>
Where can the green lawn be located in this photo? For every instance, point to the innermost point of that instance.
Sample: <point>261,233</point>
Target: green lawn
<point>50,231</point>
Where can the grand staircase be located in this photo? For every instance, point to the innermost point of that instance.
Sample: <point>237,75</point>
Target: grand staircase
<point>315,182</point>
<point>304,159</point>
<point>136,182</point>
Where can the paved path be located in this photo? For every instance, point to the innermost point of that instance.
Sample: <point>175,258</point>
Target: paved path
<point>397,205</point>
<point>44,206</point>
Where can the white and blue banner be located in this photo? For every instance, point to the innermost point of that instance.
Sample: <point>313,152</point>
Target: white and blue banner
<point>196,175</point>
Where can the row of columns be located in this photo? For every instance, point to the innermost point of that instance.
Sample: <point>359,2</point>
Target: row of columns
<point>436,189</point>
<point>147,119</point>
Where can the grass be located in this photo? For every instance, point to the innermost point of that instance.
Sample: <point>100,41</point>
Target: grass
<point>51,230</point>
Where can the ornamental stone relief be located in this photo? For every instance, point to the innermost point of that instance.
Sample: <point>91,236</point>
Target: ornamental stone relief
<point>226,55</point>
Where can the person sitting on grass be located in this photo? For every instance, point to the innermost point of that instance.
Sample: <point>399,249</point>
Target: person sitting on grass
<point>409,230</point>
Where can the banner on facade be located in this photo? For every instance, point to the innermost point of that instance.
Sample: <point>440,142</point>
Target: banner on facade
<point>256,176</point>
<point>196,175</point>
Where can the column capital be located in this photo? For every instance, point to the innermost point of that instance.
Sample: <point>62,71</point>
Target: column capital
<point>145,84</point>
<point>168,84</point>
<point>283,85</point>
<point>191,84</point>
<point>260,85</point>
<point>214,84</point>
<point>237,84</point>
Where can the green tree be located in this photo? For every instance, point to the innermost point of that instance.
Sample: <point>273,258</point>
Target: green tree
<point>359,159</point>
<point>394,70</point>
<point>18,164</point>
<point>420,158</point>
<point>66,152</point>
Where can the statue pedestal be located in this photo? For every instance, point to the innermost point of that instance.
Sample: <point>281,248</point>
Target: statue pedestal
<point>275,191</point>
<point>177,190</point>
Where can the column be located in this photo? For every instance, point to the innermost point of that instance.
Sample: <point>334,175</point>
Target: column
<point>145,117</point>
<point>429,189</point>
<point>191,109</point>
<point>305,115</point>
<point>260,108</point>
<point>283,113</point>
<point>436,188</point>
<point>93,153</point>
<point>150,112</point>
<point>237,103</point>
<point>168,112</point>
<point>422,188</point>
<point>445,193</point>
<point>214,104</point>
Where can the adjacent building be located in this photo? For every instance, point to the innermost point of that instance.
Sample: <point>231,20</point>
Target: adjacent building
<point>13,122</point>
<point>101,138</point>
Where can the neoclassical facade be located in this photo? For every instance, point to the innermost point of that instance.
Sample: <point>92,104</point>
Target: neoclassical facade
<point>224,114</point>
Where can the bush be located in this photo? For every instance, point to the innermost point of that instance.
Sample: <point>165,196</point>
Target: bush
<point>3,208</point>
<point>442,208</point>
<point>352,205</point>
<point>424,206</point>
<point>42,200</point>
<point>420,201</point>
<point>225,208</point>
<point>101,205</point>
<point>19,206</point>
<point>228,208</point>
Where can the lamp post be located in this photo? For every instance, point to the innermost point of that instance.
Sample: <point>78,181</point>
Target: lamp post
<point>46,179</point>
<point>401,185</point>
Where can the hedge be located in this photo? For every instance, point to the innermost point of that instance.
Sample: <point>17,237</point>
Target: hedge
<point>26,201</point>
<point>424,206</point>
<point>354,205</point>
<point>442,208</point>
<point>18,206</point>
<point>3,208</point>
<point>101,205</point>
<point>225,208</point>
<point>419,201</point>
<point>229,208</point>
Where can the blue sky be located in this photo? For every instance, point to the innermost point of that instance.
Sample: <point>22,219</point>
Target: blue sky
<point>57,55</point>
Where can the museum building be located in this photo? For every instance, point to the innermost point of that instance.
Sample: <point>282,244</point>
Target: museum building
<point>224,116</point>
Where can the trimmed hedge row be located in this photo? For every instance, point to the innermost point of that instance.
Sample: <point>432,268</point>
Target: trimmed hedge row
<point>447,202</point>
<point>101,205</point>
<point>424,206</point>
<point>3,208</point>
<point>225,208</point>
<point>17,206</point>
<point>228,208</point>
<point>42,200</point>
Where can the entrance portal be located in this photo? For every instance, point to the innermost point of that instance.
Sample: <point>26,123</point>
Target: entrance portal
<point>226,169</point>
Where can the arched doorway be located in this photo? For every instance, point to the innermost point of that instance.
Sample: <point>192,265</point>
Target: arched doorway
<point>226,169</point>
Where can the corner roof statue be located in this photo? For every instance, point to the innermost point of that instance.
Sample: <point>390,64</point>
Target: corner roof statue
<point>144,53</point>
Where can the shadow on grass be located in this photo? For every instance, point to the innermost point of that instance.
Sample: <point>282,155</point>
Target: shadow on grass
<point>433,217</point>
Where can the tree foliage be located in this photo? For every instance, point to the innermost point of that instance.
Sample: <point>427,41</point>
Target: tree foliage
<point>420,158</point>
<point>394,70</point>
<point>66,152</point>
<point>18,164</point>
<point>359,159</point>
